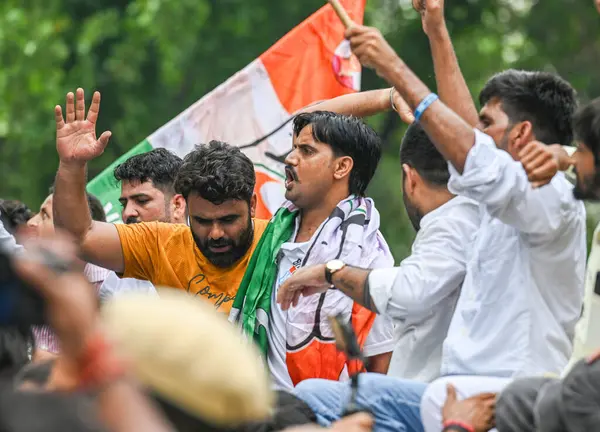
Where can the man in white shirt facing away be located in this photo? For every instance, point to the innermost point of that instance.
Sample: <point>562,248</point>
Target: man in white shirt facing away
<point>147,195</point>
<point>420,294</point>
<point>523,289</point>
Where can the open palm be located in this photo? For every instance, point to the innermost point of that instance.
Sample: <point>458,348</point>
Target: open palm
<point>76,135</point>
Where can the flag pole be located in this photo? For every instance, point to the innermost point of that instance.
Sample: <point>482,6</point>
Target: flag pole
<point>341,13</point>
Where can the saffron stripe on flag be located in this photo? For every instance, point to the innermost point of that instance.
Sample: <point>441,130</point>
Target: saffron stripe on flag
<point>312,62</point>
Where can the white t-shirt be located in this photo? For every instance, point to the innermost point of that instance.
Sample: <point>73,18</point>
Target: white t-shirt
<point>379,341</point>
<point>113,286</point>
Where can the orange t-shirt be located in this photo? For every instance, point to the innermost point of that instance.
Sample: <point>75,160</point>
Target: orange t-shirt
<point>167,255</point>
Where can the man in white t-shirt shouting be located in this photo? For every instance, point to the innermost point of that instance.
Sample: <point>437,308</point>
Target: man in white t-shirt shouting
<point>332,161</point>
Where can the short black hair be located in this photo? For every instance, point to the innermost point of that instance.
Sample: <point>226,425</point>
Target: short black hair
<point>159,165</point>
<point>218,172</point>
<point>418,152</point>
<point>96,208</point>
<point>94,204</point>
<point>545,99</point>
<point>16,345</point>
<point>15,214</point>
<point>347,136</point>
<point>587,127</point>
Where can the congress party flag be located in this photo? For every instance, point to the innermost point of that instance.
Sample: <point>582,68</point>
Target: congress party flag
<point>312,62</point>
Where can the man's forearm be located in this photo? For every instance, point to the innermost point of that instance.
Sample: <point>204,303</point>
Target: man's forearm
<point>70,207</point>
<point>451,84</point>
<point>354,282</point>
<point>362,104</point>
<point>451,135</point>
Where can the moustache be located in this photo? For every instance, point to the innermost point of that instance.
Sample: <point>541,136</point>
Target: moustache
<point>219,243</point>
<point>289,170</point>
<point>131,220</point>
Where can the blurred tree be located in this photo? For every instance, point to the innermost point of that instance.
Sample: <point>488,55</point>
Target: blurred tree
<point>151,59</point>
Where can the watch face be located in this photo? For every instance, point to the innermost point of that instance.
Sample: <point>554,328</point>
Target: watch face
<point>335,265</point>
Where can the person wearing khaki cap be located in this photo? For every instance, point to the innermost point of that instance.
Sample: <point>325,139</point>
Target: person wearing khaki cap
<point>203,365</point>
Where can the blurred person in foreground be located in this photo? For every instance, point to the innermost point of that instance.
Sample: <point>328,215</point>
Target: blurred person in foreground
<point>42,225</point>
<point>523,288</point>
<point>147,195</point>
<point>100,389</point>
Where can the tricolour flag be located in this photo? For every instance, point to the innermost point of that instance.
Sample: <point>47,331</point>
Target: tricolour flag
<point>312,62</point>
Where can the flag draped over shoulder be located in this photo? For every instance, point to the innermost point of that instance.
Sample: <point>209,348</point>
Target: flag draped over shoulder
<point>312,62</point>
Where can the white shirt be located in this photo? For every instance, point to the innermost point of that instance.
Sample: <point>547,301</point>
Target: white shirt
<point>380,339</point>
<point>523,290</point>
<point>113,286</point>
<point>420,294</point>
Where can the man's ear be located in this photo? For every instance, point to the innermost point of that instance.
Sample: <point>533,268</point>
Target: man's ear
<point>179,208</point>
<point>410,177</point>
<point>521,135</point>
<point>343,167</point>
<point>253,205</point>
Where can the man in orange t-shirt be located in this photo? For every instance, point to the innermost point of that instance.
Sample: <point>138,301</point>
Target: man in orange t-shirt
<point>207,259</point>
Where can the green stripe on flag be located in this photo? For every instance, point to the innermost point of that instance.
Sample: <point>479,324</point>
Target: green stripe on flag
<point>106,187</point>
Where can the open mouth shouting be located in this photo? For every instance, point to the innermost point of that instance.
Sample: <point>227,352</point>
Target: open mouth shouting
<point>290,177</point>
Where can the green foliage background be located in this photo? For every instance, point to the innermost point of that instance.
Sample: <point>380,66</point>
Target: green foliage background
<point>153,58</point>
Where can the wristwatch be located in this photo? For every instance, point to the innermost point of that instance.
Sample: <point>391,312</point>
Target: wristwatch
<point>332,267</point>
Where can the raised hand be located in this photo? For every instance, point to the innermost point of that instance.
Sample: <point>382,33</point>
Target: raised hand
<point>404,111</point>
<point>371,48</point>
<point>541,162</point>
<point>432,14</point>
<point>76,137</point>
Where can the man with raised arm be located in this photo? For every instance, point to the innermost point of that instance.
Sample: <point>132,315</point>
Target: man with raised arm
<point>207,259</point>
<point>523,289</point>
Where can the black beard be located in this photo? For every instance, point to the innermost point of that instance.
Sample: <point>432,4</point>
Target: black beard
<point>413,213</point>
<point>588,188</point>
<point>229,258</point>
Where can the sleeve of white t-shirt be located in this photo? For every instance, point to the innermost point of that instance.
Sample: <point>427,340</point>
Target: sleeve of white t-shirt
<point>381,337</point>
<point>114,285</point>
